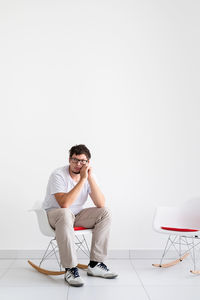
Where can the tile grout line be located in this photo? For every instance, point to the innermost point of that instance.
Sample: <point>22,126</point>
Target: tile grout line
<point>68,293</point>
<point>139,277</point>
<point>8,268</point>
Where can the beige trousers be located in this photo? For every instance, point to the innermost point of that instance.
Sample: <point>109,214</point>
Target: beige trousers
<point>63,221</point>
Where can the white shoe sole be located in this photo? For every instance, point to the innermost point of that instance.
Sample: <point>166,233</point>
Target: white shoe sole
<point>110,277</point>
<point>75,284</point>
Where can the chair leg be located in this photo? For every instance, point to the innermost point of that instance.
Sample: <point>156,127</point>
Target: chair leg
<point>193,245</point>
<point>82,245</point>
<point>52,249</point>
<point>172,241</point>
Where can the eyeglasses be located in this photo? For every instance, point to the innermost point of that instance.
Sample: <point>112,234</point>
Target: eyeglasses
<point>76,161</point>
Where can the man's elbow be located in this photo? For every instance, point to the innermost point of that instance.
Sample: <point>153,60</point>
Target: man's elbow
<point>101,205</point>
<point>64,206</point>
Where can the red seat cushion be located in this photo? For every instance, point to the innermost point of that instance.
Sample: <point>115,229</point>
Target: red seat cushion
<point>179,229</point>
<point>79,228</point>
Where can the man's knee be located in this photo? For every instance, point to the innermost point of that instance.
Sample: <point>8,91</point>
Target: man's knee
<point>105,213</point>
<point>66,216</point>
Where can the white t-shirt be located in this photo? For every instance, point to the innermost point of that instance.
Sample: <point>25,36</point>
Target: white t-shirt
<point>60,181</point>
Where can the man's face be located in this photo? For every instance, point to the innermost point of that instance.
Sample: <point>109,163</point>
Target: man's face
<point>77,162</point>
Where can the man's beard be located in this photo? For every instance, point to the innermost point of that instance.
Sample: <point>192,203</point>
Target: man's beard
<point>76,172</point>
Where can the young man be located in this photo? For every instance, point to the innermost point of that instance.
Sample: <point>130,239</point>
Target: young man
<point>67,191</point>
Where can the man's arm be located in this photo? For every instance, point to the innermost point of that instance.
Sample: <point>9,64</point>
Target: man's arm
<point>96,194</point>
<point>66,199</point>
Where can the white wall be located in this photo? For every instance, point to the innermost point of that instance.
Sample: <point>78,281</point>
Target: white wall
<point>121,77</point>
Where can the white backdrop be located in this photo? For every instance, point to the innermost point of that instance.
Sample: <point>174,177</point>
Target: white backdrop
<point>120,76</point>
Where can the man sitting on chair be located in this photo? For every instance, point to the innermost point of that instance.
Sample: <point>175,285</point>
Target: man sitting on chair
<point>67,191</point>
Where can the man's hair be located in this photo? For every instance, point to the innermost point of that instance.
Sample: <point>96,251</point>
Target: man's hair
<point>80,149</point>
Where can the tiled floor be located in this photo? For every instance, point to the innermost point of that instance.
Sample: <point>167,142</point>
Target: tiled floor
<point>137,280</point>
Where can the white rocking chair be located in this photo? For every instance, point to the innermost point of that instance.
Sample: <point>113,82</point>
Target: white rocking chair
<point>182,225</point>
<point>52,249</point>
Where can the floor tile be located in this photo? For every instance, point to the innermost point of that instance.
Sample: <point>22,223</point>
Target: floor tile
<point>32,293</point>
<point>27,276</point>
<point>173,292</point>
<point>6,263</point>
<point>178,275</point>
<point>107,293</point>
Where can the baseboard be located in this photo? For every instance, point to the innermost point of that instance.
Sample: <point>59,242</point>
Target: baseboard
<point>112,254</point>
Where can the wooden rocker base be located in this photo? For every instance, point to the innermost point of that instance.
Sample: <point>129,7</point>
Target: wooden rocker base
<point>172,263</point>
<point>195,272</point>
<point>48,272</point>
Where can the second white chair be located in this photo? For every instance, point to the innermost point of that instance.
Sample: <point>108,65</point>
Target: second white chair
<point>182,225</point>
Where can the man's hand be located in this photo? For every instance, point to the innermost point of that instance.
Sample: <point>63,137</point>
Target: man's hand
<point>84,172</point>
<point>89,172</point>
